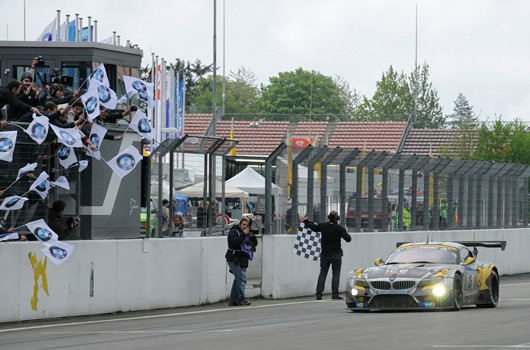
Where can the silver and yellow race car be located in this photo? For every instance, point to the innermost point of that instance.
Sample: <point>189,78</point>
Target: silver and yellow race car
<point>429,275</point>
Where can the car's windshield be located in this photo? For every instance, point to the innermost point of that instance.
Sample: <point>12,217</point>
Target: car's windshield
<point>423,254</point>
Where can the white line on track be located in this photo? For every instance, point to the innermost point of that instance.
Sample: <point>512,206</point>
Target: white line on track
<point>161,316</point>
<point>520,346</point>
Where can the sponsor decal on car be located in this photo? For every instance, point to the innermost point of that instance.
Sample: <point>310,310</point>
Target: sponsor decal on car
<point>380,292</point>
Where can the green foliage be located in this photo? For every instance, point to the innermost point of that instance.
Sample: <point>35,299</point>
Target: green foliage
<point>503,142</point>
<point>302,93</point>
<point>394,100</point>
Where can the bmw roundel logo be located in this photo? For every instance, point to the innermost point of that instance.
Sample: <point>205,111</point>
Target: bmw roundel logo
<point>125,162</point>
<point>38,131</point>
<point>139,86</point>
<point>47,37</point>
<point>42,186</point>
<point>91,104</point>
<point>44,234</point>
<point>58,253</point>
<point>67,138</point>
<point>94,138</point>
<point>64,153</point>
<point>104,93</point>
<point>142,95</point>
<point>98,75</point>
<point>143,126</point>
<point>12,203</point>
<point>6,144</point>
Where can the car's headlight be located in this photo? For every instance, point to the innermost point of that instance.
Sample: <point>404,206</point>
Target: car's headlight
<point>439,290</point>
<point>429,282</point>
<point>354,292</point>
<point>361,283</point>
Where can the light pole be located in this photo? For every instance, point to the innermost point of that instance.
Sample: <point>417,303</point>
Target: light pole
<point>253,125</point>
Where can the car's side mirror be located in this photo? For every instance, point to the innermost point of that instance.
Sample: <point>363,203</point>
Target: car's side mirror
<point>468,261</point>
<point>379,262</point>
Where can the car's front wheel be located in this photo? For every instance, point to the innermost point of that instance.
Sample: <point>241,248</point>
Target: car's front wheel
<point>494,291</point>
<point>458,293</point>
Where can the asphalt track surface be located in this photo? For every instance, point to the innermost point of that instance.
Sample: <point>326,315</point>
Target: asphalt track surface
<point>301,323</point>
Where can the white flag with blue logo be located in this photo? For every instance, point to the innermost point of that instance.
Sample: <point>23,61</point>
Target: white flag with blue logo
<point>28,168</point>
<point>142,126</point>
<point>58,252</point>
<point>9,236</point>
<point>43,232</point>
<point>66,156</point>
<point>99,76</point>
<point>13,203</point>
<point>61,181</point>
<point>83,164</point>
<point>69,137</point>
<point>125,161</point>
<point>38,129</point>
<point>8,139</point>
<point>97,134</point>
<point>91,101</point>
<point>49,33</point>
<point>41,185</point>
<point>107,96</point>
<point>125,98</point>
<point>142,89</point>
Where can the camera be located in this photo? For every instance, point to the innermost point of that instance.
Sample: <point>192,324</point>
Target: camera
<point>40,61</point>
<point>73,220</point>
<point>57,78</point>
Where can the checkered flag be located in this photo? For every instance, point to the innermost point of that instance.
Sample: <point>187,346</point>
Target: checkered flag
<point>307,243</point>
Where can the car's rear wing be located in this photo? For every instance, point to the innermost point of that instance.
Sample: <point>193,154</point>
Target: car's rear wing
<point>484,244</point>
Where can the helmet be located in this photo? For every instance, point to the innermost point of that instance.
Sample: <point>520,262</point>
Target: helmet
<point>26,75</point>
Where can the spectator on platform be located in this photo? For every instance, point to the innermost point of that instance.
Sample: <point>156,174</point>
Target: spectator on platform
<point>55,220</point>
<point>8,95</point>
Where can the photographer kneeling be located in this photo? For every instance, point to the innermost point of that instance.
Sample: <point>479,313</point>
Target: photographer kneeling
<point>55,220</point>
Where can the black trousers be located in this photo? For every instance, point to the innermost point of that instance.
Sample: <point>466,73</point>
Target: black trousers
<point>335,261</point>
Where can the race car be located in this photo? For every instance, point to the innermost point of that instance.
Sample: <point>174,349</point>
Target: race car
<point>428,275</point>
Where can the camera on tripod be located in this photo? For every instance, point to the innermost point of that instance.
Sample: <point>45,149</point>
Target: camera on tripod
<point>57,78</point>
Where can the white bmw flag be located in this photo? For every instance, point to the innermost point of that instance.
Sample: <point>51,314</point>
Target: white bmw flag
<point>42,231</point>
<point>126,97</point>
<point>9,236</point>
<point>38,128</point>
<point>69,137</point>
<point>91,101</point>
<point>99,76</point>
<point>28,168</point>
<point>8,139</point>
<point>107,96</point>
<point>307,243</point>
<point>61,182</point>
<point>41,185</point>
<point>66,156</point>
<point>142,126</point>
<point>58,252</point>
<point>83,164</point>
<point>97,134</point>
<point>13,203</point>
<point>125,161</point>
<point>142,89</point>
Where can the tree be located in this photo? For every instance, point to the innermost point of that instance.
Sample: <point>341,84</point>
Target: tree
<point>302,93</point>
<point>463,116</point>
<point>503,142</point>
<point>351,97</point>
<point>394,100</point>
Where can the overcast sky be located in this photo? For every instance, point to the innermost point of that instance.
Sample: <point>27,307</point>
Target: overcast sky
<point>477,47</point>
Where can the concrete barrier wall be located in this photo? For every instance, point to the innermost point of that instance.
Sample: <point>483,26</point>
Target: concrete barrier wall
<point>106,276</point>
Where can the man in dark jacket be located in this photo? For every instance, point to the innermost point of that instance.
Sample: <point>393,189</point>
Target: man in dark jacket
<point>8,95</point>
<point>55,220</point>
<point>242,243</point>
<point>331,253</point>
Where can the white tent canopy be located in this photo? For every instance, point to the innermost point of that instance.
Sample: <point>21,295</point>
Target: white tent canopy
<point>250,181</point>
<point>196,191</point>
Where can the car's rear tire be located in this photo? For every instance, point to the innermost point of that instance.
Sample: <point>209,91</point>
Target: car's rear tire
<point>494,291</point>
<point>458,293</point>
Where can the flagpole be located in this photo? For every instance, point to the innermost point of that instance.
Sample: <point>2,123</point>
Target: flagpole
<point>224,60</point>
<point>416,74</point>
<point>24,20</point>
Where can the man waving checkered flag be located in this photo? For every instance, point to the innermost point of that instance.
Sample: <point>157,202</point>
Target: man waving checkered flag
<point>307,243</point>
